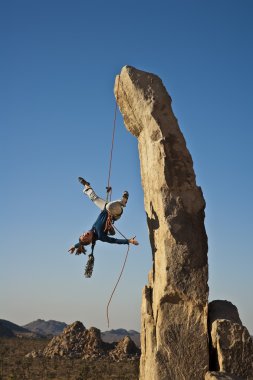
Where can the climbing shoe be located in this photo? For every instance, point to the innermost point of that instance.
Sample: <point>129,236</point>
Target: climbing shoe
<point>83,182</point>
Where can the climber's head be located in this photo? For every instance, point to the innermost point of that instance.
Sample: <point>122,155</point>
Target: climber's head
<point>86,238</point>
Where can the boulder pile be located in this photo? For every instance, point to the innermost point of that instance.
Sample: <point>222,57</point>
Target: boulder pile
<point>78,342</point>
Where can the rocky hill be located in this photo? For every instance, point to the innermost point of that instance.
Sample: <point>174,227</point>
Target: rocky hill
<point>118,334</point>
<point>6,332</point>
<point>77,342</point>
<point>45,328</point>
<point>11,330</point>
<point>41,328</point>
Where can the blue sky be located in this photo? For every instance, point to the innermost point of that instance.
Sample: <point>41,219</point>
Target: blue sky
<point>57,69</point>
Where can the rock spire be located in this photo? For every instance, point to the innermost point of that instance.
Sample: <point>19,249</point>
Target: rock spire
<point>174,339</point>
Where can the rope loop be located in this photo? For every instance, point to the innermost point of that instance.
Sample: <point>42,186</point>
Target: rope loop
<point>107,307</point>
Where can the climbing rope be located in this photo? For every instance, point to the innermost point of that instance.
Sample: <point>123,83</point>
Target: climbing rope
<point>108,187</point>
<point>108,198</point>
<point>115,287</point>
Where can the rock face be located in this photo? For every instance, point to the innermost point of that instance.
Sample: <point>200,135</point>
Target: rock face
<point>174,339</point>
<point>77,342</point>
<point>231,344</point>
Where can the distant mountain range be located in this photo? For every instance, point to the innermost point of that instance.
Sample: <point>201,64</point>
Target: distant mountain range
<point>11,330</point>
<point>115,335</point>
<point>47,329</point>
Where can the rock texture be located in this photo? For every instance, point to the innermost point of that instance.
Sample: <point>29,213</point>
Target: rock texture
<point>174,340</point>
<point>77,342</point>
<point>231,344</point>
<point>125,349</point>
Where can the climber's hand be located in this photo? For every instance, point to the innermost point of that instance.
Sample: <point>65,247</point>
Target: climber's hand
<point>133,241</point>
<point>71,249</point>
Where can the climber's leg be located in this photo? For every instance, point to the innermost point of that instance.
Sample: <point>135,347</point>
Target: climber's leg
<point>99,202</point>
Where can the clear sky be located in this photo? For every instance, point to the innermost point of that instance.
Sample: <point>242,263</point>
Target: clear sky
<point>59,59</point>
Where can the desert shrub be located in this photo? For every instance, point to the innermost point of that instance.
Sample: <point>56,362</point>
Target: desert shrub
<point>15,366</point>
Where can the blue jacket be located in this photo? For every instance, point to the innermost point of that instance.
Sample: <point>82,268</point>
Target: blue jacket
<point>99,226</point>
<point>99,233</point>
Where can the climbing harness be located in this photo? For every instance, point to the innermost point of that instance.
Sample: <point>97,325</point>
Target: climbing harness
<point>108,224</point>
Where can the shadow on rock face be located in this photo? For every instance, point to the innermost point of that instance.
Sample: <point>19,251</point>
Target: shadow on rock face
<point>153,224</point>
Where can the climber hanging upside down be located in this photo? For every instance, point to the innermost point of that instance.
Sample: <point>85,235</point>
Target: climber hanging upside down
<point>103,226</point>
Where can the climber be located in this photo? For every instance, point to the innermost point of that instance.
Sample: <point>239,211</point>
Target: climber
<point>103,226</point>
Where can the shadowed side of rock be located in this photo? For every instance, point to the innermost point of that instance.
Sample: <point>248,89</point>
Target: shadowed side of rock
<point>221,376</point>
<point>231,346</point>
<point>174,305</point>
